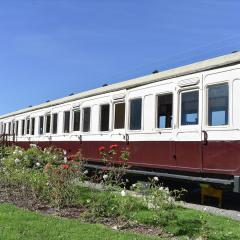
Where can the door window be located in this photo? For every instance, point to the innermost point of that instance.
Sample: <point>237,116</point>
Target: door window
<point>189,108</point>
<point>218,105</point>
<point>164,111</point>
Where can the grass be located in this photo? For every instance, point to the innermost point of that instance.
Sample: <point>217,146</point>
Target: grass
<point>188,222</point>
<point>16,224</point>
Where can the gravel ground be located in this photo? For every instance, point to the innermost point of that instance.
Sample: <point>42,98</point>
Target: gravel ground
<point>213,210</point>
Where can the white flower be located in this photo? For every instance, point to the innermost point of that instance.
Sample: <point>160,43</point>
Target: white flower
<point>85,172</point>
<point>105,176</point>
<point>17,160</point>
<point>127,180</point>
<point>54,157</point>
<point>88,200</point>
<point>33,145</point>
<point>123,193</point>
<point>20,152</point>
<point>156,179</point>
<point>38,164</point>
<point>167,189</point>
<point>65,159</point>
<point>64,152</point>
<point>134,185</point>
<point>161,188</point>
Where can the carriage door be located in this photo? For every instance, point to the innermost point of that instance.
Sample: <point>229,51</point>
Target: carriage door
<point>188,149</point>
<point>220,128</point>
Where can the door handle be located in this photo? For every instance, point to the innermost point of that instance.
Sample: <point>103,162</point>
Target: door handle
<point>205,137</point>
<point>127,138</point>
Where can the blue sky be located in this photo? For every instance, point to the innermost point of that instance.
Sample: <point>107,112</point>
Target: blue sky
<point>51,48</point>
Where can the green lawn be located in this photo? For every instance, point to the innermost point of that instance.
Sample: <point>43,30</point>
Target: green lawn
<point>188,222</point>
<point>21,224</point>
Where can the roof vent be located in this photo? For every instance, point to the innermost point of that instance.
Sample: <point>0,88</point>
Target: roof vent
<point>155,71</point>
<point>71,94</point>
<point>48,101</point>
<point>235,51</point>
<point>30,106</point>
<point>104,85</point>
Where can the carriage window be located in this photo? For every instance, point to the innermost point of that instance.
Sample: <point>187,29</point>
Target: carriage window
<point>13,128</point>
<point>218,105</point>
<point>48,123</point>
<point>23,127</point>
<point>66,128</point>
<point>104,123</point>
<point>9,128</point>
<point>28,126</point>
<point>41,121</point>
<point>119,120</point>
<point>136,114</point>
<point>4,128</point>
<point>76,120</point>
<point>189,108</point>
<point>54,123</point>
<point>32,126</point>
<point>86,119</point>
<point>16,128</point>
<point>164,113</point>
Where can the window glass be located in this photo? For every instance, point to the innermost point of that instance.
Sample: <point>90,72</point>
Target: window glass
<point>66,128</point>
<point>76,120</point>
<point>86,119</point>
<point>136,114</point>
<point>189,108</point>
<point>48,123</point>
<point>164,111</point>
<point>55,123</point>
<point>28,126</point>
<point>104,123</point>
<point>13,128</point>
<point>119,121</point>
<point>218,105</point>
<point>32,126</point>
<point>16,128</point>
<point>4,128</point>
<point>41,121</point>
<point>23,127</point>
<point>9,128</point>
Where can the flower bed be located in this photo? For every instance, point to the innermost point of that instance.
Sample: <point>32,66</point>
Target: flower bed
<point>48,180</point>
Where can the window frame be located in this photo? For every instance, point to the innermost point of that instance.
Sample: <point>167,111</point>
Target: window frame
<point>156,110</point>
<point>82,119</point>
<point>180,108</point>
<point>31,122</point>
<point>73,117</point>
<point>27,131</point>
<point>100,117</point>
<point>229,105</point>
<point>114,114</point>
<point>45,123</point>
<point>16,128</point>
<point>63,126</point>
<point>52,122</point>
<point>129,114</point>
<point>39,126</point>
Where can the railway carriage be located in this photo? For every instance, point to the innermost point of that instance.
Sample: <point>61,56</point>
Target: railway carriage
<point>182,123</point>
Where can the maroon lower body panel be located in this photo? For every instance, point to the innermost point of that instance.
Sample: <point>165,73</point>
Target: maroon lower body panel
<point>215,157</point>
